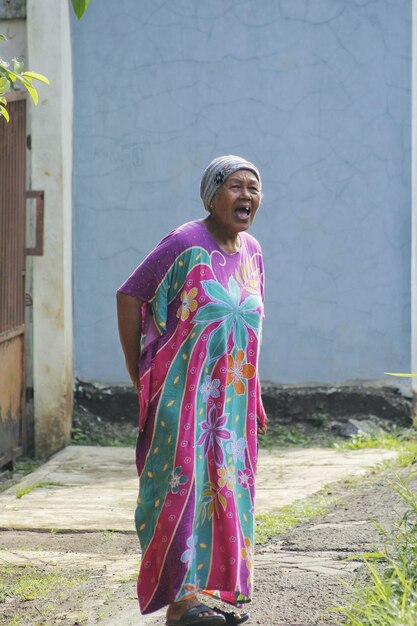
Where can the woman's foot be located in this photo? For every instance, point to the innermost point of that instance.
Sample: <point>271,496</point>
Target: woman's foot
<point>177,609</point>
<point>232,617</point>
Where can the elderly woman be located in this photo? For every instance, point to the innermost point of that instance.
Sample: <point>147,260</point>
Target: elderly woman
<point>190,326</point>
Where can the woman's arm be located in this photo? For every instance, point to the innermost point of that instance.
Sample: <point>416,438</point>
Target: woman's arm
<point>130,326</point>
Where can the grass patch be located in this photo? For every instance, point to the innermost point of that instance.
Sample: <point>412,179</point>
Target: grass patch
<point>404,442</point>
<point>315,433</point>
<point>280,520</point>
<point>389,595</point>
<point>81,438</point>
<point>28,583</point>
<point>282,437</point>
<point>26,466</point>
<point>21,468</point>
<point>23,491</point>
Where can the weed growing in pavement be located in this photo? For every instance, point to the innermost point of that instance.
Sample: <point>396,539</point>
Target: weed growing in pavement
<point>280,520</point>
<point>389,596</point>
<point>23,491</point>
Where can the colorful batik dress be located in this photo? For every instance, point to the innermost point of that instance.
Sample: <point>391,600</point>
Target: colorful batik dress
<point>200,402</point>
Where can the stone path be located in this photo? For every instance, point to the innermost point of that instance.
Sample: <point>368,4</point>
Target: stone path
<point>88,489</point>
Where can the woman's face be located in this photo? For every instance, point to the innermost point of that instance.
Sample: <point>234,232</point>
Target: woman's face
<point>235,203</point>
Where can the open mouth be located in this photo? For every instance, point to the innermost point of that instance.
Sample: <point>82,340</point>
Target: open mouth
<point>242,212</point>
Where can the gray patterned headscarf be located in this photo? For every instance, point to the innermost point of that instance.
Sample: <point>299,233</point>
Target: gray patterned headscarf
<point>216,173</point>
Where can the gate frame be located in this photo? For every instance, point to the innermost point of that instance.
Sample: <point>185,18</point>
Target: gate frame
<point>16,430</point>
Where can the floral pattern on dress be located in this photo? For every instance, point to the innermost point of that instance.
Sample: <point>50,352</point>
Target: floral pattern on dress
<point>227,477</point>
<point>210,387</point>
<point>238,371</point>
<point>213,434</point>
<point>212,498</point>
<point>249,275</point>
<point>188,304</point>
<point>234,316</point>
<point>236,447</point>
<point>245,478</point>
<point>247,552</point>
<point>189,554</point>
<point>177,479</point>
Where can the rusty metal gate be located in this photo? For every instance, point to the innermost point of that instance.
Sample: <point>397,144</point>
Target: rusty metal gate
<point>12,280</point>
<point>13,254</point>
<point>13,195</point>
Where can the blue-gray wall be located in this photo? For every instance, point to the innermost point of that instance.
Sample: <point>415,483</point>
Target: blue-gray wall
<point>316,93</point>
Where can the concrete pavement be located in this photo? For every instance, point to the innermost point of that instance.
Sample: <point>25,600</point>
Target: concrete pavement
<point>89,488</point>
<point>86,489</point>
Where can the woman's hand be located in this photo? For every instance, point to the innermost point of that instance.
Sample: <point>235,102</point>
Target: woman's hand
<point>130,326</point>
<point>134,376</point>
<point>262,428</point>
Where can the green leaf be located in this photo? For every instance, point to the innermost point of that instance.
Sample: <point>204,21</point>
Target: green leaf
<point>251,303</point>
<point>401,375</point>
<point>252,319</point>
<point>37,76</point>
<point>212,312</point>
<point>240,334</point>
<point>217,343</point>
<point>3,38</point>
<point>234,291</point>
<point>18,64</point>
<point>222,501</point>
<point>4,113</point>
<point>216,292</point>
<point>26,82</point>
<point>32,92</point>
<point>13,77</point>
<point>80,7</point>
<point>4,85</point>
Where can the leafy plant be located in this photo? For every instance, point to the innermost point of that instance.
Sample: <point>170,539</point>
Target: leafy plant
<point>389,597</point>
<point>9,78</point>
<point>320,420</point>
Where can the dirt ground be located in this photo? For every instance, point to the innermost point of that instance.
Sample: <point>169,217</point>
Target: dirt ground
<point>297,574</point>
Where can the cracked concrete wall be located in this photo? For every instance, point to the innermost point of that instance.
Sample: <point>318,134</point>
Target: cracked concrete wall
<point>318,95</point>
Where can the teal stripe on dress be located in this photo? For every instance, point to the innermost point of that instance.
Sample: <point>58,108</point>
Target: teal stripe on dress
<point>154,482</point>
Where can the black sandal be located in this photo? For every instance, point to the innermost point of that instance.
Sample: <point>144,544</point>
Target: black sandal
<point>193,617</point>
<point>230,616</point>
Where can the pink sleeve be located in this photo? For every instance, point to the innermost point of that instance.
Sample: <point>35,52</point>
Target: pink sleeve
<point>144,281</point>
